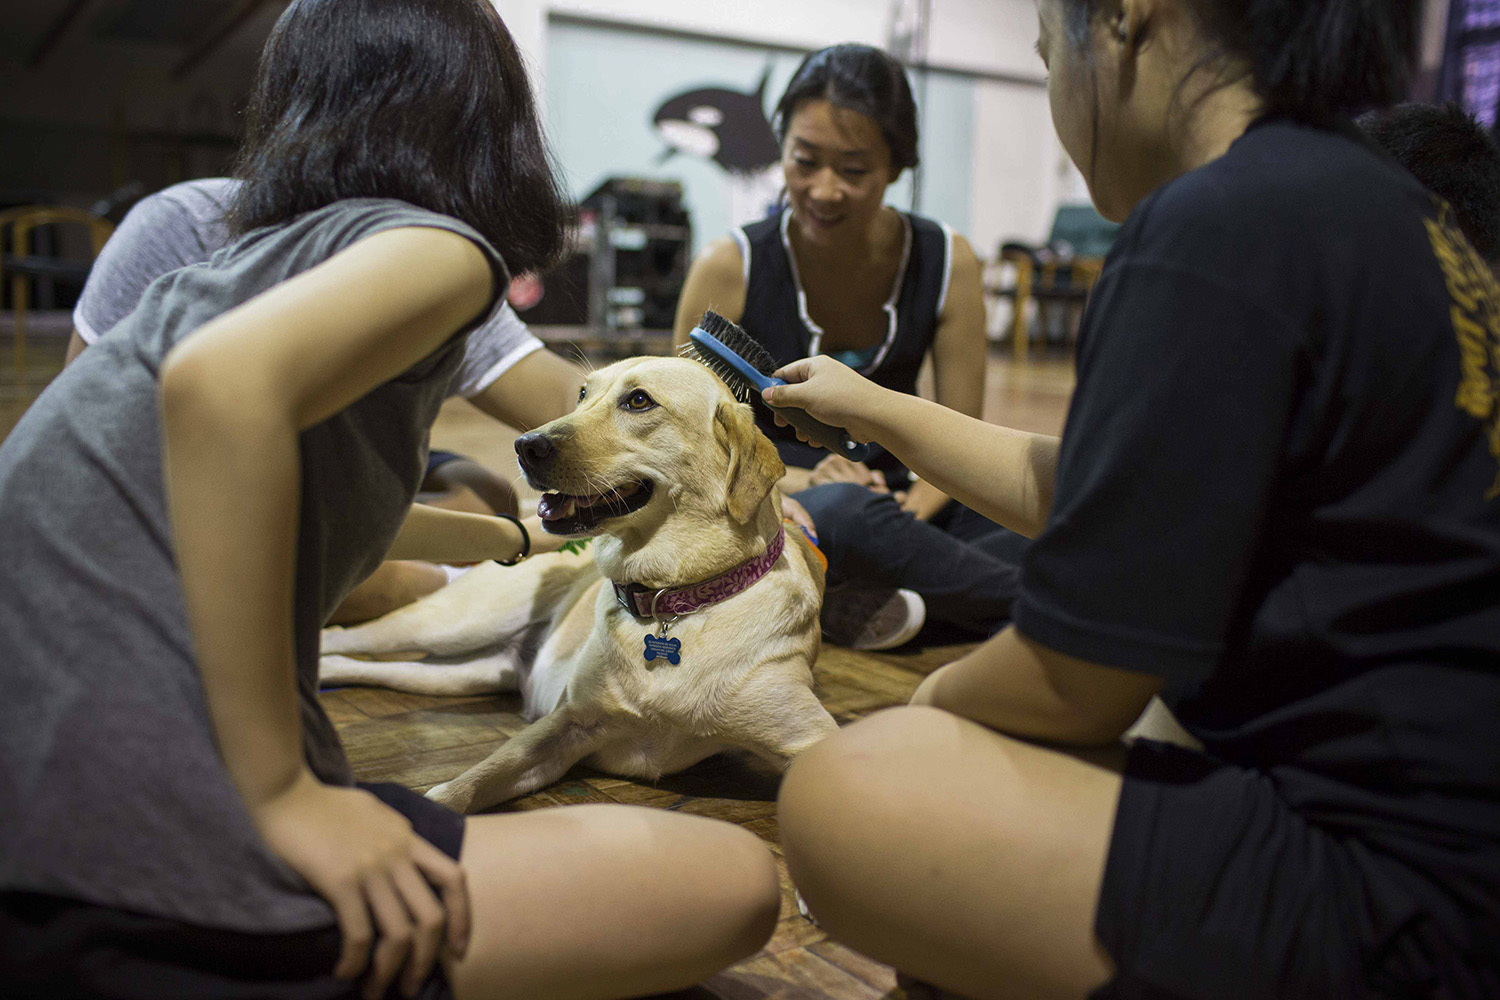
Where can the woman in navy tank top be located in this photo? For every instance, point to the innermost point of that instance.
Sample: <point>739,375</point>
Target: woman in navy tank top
<point>839,272</point>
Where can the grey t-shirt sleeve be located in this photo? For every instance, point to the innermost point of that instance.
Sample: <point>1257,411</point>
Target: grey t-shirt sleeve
<point>177,226</point>
<point>492,349</point>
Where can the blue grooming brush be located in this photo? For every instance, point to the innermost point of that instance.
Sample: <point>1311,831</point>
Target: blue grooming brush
<point>745,366</point>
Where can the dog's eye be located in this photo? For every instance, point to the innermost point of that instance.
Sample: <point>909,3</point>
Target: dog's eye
<point>638,401</point>
<point>582,391</point>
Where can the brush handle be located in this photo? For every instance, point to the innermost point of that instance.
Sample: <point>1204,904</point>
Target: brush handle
<point>835,439</point>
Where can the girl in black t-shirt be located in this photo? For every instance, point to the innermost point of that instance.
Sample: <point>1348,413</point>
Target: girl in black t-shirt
<point>1276,502</point>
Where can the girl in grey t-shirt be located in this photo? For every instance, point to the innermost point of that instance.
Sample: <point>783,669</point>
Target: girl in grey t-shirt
<point>185,504</point>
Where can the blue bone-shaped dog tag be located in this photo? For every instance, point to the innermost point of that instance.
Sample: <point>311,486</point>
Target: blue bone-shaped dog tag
<point>668,649</point>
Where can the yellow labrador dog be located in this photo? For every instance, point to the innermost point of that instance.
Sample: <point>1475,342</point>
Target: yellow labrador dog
<point>691,629</point>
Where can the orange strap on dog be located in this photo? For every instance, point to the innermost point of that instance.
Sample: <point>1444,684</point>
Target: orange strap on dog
<point>812,543</point>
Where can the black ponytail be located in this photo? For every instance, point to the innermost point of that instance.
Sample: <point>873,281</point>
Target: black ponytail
<point>1308,59</point>
<point>1314,59</point>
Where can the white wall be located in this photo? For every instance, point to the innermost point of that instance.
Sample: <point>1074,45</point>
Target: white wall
<point>1017,161</point>
<point>996,36</point>
<point>1016,177</point>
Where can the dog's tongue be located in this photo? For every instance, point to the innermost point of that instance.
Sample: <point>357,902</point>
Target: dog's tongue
<point>555,506</point>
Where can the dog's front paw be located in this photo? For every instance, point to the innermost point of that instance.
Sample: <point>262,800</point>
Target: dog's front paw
<point>330,639</point>
<point>446,794</point>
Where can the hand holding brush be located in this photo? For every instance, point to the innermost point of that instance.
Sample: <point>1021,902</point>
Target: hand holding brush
<point>745,366</point>
<point>827,391</point>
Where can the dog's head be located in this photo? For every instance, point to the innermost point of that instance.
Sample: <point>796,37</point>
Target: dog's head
<point>651,439</point>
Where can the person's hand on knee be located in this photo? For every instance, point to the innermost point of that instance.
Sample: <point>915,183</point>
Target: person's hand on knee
<point>838,469</point>
<point>793,511</point>
<point>400,902</point>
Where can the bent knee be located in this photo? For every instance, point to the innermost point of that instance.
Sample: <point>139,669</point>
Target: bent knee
<point>754,890</point>
<point>739,864</point>
<point>852,768</point>
<point>854,783</point>
<point>744,901</point>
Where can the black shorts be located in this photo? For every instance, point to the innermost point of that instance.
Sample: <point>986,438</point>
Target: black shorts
<point>1216,888</point>
<point>52,947</point>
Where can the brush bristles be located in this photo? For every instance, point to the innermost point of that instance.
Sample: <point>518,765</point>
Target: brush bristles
<point>734,337</point>
<point>742,390</point>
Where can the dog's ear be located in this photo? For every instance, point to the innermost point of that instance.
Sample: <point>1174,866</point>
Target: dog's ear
<point>754,465</point>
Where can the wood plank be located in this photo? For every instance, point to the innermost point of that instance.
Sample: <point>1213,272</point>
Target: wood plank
<point>420,731</point>
<point>861,967</point>
<point>341,711</point>
<point>793,933</point>
<point>767,829</point>
<point>789,975</point>
<point>375,702</point>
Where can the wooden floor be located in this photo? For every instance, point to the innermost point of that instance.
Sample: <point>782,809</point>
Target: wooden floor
<point>420,741</point>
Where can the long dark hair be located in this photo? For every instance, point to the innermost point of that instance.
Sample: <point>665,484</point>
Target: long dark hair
<point>1308,59</point>
<point>1453,156</point>
<point>426,101</point>
<point>863,79</point>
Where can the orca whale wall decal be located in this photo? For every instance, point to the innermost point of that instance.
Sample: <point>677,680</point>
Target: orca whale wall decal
<point>725,126</point>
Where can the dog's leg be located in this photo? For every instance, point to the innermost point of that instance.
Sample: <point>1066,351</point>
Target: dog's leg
<point>482,608</point>
<point>536,756</point>
<point>485,675</point>
<point>778,719</point>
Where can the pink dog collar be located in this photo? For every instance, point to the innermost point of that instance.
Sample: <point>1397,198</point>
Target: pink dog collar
<point>668,602</point>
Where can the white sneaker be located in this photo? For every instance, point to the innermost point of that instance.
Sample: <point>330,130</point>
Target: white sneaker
<point>872,618</point>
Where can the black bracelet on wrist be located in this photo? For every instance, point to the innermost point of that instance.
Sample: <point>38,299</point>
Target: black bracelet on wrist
<point>525,541</point>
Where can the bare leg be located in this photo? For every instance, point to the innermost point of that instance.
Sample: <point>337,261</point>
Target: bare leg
<point>609,901</point>
<point>958,855</point>
<point>394,584</point>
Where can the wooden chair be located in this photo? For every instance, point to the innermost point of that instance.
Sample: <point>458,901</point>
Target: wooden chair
<point>23,265</point>
<point>1060,273</point>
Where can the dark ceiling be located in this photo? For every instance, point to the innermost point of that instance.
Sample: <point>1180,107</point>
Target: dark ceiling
<point>182,35</point>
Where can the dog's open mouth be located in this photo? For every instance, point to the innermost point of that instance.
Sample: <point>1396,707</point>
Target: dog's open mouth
<point>569,514</point>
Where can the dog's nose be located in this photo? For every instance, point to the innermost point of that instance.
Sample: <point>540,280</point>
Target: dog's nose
<point>534,450</point>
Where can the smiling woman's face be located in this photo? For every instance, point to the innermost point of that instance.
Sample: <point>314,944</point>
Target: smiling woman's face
<point>837,166</point>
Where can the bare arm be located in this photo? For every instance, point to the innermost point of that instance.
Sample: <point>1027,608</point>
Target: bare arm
<point>1005,474</point>
<point>296,355</point>
<point>716,280</point>
<point>959,347</point>
<point>437,535</point>
<point>958,361</point>
<point>1022,688</point>
<point>539,388</point>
